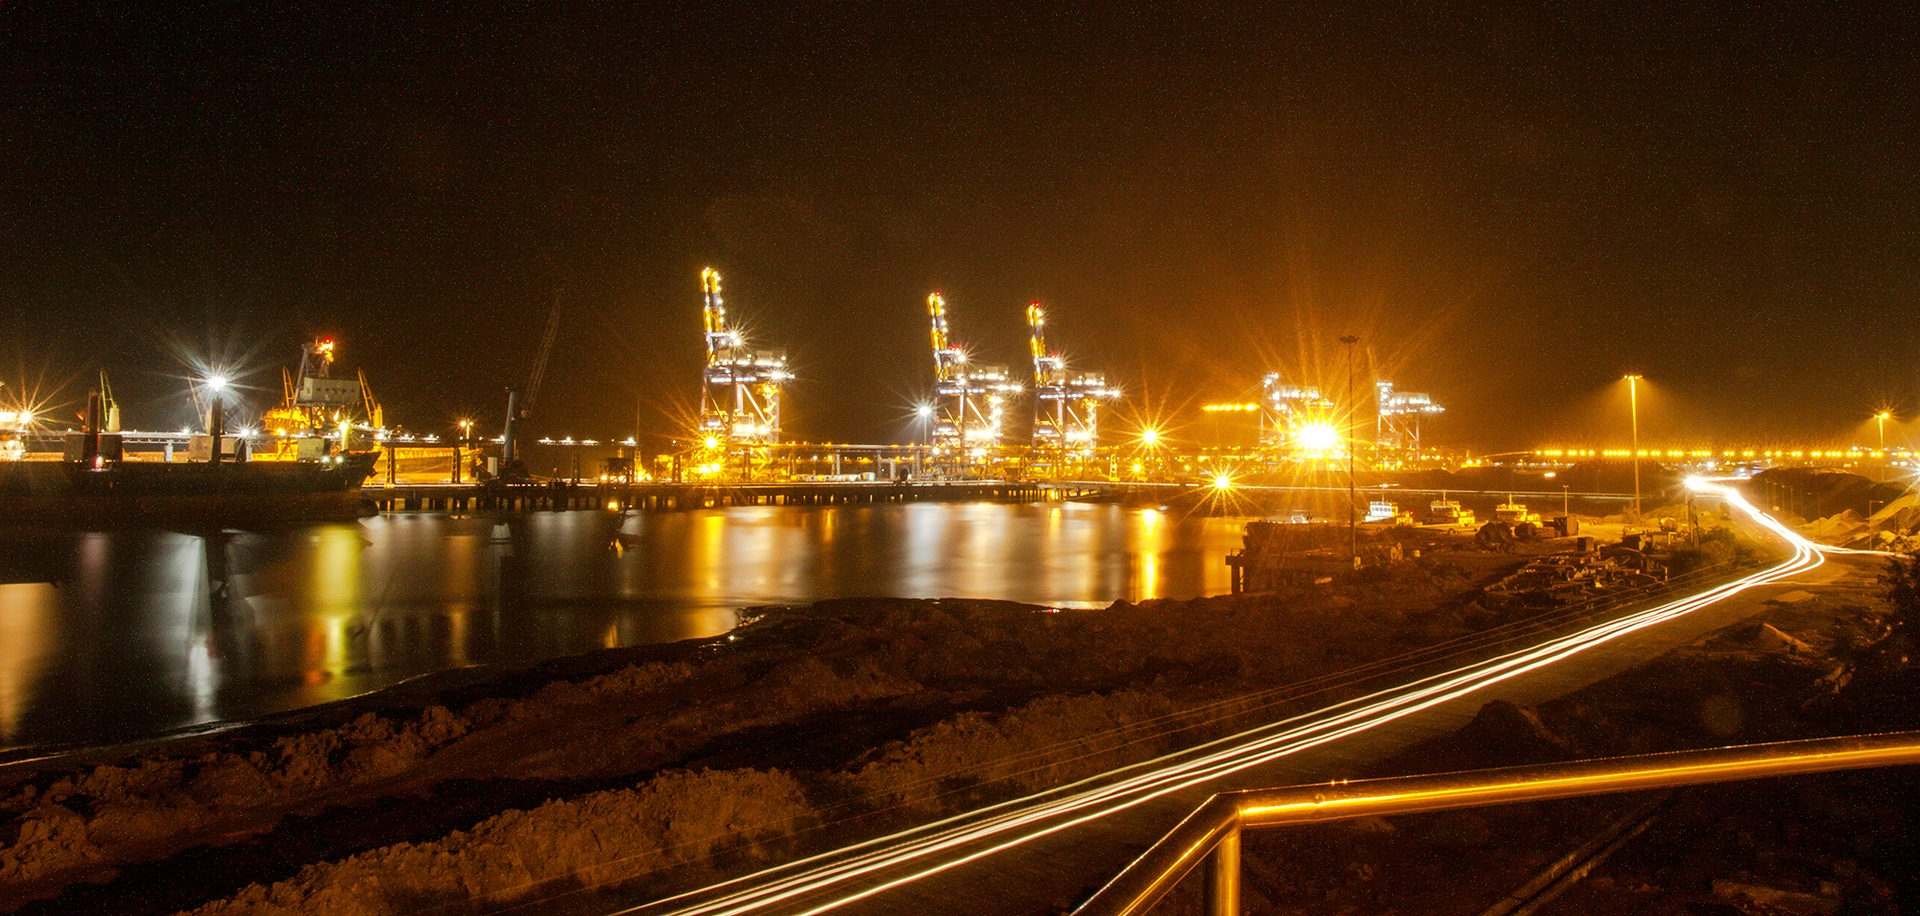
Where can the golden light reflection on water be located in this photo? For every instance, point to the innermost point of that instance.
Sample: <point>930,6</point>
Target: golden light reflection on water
<point>150,631</point>
<point>1144,550</point>
<point>25,641</point>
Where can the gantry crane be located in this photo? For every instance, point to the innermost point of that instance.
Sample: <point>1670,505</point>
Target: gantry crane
<point>1066,405</point>
<point>971,398</point>
<point>740,400</point>
<point>1397,425</point>
<point>1296,419</point>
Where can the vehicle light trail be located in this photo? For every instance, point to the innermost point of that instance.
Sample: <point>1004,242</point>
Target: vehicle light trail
<point>831,880</point>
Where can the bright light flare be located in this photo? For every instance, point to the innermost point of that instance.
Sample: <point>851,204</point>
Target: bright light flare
<point>1223,481</point>
<point>1317,436</point>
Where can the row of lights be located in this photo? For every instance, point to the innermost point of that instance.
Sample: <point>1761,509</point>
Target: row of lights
<point>1711,453</point>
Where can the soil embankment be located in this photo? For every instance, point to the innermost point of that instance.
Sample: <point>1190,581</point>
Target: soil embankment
<point>1813,665</point>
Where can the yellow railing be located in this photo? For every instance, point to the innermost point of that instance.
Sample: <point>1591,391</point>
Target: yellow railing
<point>1213,830</point>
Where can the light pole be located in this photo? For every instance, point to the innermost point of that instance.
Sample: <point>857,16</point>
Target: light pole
<point>216,411</point>
<point>925,413</point>
<point>465,441</point>
<point>1882,416</point>
<point>1353,519</point>
<point>1633,408</point>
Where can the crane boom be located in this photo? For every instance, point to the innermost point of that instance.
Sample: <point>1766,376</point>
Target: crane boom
<point>942,354</point>
<point>719,339</point>
<point>1042,363</point>
<point>539,373</point>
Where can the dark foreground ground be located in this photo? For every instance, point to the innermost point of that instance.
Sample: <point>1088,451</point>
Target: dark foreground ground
<point>1817,665</point>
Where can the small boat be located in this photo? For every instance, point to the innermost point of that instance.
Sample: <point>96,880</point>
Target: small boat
<point>1514,513</point>
<point>1386,510</point>
<point>1448,512</point>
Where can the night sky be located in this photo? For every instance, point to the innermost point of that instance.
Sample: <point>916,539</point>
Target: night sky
<point>1512,208</point>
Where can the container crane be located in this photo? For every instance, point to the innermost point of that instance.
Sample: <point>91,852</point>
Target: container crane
<point>970,398</point>
<point>1296,419</point>
<point>742,387</point>
<point>1066,406</point>
<point>1397,426</point>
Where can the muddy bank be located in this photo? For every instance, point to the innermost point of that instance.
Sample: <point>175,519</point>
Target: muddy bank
<point>646,771</point>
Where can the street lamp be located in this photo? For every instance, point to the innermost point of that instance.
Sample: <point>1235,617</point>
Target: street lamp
<point>216,386</point>
<point>925,414</point>
<point>465,441</point>
<point>1633,407</point>
<point>1882,416</point>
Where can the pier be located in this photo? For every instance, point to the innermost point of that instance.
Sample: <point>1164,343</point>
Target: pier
<point>670,496</point>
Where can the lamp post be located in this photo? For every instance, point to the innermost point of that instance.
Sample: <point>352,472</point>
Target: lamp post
<point>465,441</point>
<point>925,413</point>
<point>1633,407</point>
<point>1353,519</point>
<point>216,411</point>
<point>1882,417</point>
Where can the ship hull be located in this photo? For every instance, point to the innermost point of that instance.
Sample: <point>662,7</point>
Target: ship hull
<point>66,494</point>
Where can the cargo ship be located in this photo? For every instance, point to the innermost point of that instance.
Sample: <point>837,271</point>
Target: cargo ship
<point>304,476</point>
<point>140,493</point>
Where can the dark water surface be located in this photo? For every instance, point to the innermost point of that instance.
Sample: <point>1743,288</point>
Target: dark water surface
<point>111,636</point>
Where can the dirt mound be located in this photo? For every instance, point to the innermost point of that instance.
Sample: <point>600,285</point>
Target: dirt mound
<point>674,819</point>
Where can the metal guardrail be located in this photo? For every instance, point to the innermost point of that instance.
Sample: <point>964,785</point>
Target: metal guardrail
<point>1212,832</point>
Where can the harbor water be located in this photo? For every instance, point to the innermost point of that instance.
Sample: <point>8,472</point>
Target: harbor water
<point>112,636</point>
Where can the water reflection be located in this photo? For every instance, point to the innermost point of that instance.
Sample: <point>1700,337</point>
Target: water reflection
<point>110,636</point>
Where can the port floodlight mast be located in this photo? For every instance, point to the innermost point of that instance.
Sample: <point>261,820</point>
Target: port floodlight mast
<point>1066,404</point>
<point>742,386</point>
<point>970,400</point>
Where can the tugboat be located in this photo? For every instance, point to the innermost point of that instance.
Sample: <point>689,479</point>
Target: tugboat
<point>1515,514</point>
<point>1386,510</point>
<point>1448,512</point>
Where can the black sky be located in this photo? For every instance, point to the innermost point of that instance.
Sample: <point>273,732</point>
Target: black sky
<point>1512,206</point>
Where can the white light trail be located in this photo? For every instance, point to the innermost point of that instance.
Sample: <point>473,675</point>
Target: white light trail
<point>1712,486</point>
<point>918,853</point>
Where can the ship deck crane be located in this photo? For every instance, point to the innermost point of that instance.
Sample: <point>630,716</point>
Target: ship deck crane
<point>110,408</point>
<point>520,400</point>
<point>314,405</point>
